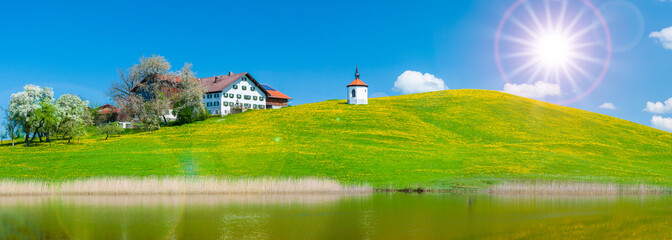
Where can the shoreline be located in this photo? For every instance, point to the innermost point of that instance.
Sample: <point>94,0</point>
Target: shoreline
<point>121,186</point>
<point>175,186</point>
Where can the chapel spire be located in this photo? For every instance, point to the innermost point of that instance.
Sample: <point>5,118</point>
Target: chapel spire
<point>357,72</point>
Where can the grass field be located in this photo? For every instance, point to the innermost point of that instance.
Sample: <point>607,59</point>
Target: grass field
<point>441,140</point>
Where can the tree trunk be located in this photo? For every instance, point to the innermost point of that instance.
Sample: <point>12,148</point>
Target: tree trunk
<point>36,133</point>
<point>33,138</point>
<point>107,136</point>
<point>69,139</point>
<point>12,142</point>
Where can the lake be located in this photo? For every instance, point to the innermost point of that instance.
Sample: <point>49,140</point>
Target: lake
<point>365,216</point>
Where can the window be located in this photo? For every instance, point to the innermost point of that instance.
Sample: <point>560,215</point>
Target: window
<point>239,96</point>
<point>353,93</point>
<point>235,86</point>
<point>252,89</point>
<point>209,96</point>
<point>231,95</point>
<point>248,97</point>
<point>216,103</point>
<point>255,97</point>
<point>226,95</point>
<point>244,88</point>
<point>244,79</point>
<point>247,105</point>
<point>261,98</point>
<point>208,104</point>
<point>226,104</point>
<point>217,95</point>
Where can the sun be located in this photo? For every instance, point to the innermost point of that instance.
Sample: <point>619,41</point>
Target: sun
<point>561,42</point>
<point>553,50</point>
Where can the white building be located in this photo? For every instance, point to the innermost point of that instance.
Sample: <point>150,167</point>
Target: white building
<point>233,93</point>
<point>358,91</point>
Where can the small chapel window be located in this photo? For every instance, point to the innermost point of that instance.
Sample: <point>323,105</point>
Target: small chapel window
<point>353,93</point>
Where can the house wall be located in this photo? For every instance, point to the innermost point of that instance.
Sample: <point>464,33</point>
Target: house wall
<point>361,95</point>
<point>219,103</point>
<point>275,103</point>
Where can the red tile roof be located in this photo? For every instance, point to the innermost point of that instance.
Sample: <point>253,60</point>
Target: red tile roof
<point>357,82</point>
<point>277,94</point>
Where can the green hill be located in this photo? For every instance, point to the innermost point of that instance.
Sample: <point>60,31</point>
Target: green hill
<point>441,139</point>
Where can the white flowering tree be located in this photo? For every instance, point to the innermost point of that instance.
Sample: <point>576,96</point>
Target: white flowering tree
<point>34,110</point>
<point>74,116</point>
<point>188,103</point>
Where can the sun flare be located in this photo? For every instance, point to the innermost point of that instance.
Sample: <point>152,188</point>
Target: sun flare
<point>562,42</point>
<point>553,50</point>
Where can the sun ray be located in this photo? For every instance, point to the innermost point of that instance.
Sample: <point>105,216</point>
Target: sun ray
<point>518,55</point>
<point>524,27</point>
<point>583,31</point>
<point>534,17</point>
<point>534,75</point>
<point>574,21</point>
<point>523,67</point>
<point>518,40</point>
<point>579,69</point>
<point>585,45</point>
<point>583,57</point>
<point>561,17</point>
<point>570,77</point>
<point>549,22</point>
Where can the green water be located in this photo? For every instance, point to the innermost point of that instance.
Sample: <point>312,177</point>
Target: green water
<point>373,216</point>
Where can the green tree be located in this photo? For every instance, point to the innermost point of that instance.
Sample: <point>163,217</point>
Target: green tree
<point>110,129</point>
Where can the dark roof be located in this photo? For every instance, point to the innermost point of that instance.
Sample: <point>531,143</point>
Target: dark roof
<point>162,77</point>
<point>224,81</point>
<point>267,87</point>
<point>272,93</point>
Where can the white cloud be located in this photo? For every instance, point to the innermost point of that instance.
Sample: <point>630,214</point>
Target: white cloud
<point>664,36</point>
<point>608,105</point>
<point>659,107</point>
<point>662,123</point>
<point>539,90</point>
<point>416,82</point>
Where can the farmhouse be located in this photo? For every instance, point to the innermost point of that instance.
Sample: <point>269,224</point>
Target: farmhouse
<point>235,93</point>
<point>226,94</point>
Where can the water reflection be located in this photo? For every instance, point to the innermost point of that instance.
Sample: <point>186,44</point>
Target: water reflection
<point>372,216</point>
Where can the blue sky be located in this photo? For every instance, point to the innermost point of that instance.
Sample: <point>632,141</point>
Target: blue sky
<point>309,49</point>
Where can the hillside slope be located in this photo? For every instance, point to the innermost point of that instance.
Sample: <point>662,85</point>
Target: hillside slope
<point>440,139</point>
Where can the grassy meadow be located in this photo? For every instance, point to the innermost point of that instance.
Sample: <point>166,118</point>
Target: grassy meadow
<point>450,139</point>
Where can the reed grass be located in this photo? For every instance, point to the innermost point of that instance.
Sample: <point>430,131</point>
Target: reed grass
<point>573,188</point>
<point>177,185</point>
